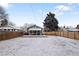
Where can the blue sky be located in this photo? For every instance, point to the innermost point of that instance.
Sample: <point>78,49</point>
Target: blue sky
<point>35,13</point>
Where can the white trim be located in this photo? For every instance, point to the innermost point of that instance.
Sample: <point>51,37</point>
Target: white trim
<point>36,29</point>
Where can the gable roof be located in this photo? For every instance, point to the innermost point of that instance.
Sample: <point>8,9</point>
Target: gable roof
<point>34,26</point>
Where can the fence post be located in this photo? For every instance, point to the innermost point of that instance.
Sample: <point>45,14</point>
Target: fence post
<point>74,34</point>
<point>60,33</point>
<point>67,34</point>
<point>63,33</point>
<point>55,33</point>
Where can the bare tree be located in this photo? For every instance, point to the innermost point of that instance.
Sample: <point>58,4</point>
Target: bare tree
<point>11,23</point>
<point>3,17</point>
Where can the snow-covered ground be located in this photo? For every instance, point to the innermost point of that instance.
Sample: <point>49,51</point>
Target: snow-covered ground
<point>39,46</point>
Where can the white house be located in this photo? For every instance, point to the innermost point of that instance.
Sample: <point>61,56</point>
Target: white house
<point>9,28</point>
<point>34,30</point>
<point>31,29</point>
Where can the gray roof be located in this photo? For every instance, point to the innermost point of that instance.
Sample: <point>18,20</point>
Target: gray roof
<point>9,27</point>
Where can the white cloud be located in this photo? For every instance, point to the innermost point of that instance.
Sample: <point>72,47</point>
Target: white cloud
<point>5,3</point>
<point>63,8</point>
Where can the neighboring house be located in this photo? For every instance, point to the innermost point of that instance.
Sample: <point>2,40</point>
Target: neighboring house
<point>62,29</point>
<point>73,30</point>
<point>9,28</point>
<point>34,30</point>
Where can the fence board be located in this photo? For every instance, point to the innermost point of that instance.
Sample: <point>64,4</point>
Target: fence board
<point>9,35</point>
<point>72,35</point>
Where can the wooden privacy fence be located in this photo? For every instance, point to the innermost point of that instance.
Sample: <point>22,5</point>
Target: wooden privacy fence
<point>72,35</point>
<point>9,35</point>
